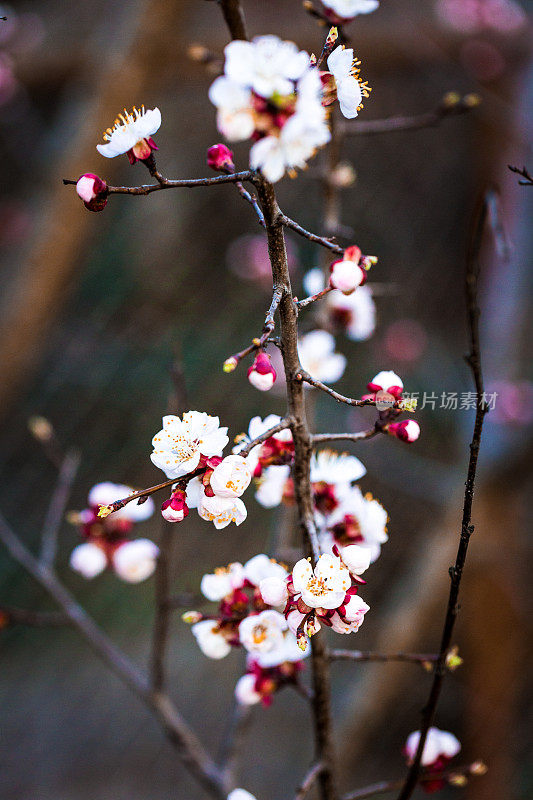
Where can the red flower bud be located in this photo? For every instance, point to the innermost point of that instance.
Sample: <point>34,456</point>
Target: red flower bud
<point>220,158</point>
<point>262,374</point>
<point>93,191</point>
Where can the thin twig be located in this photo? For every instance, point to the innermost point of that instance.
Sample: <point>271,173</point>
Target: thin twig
<point>190,749</point>
<point>234,741</point>
<point>118,504</point>
<point>528,179</point>
<point>234,18</point>
<point>57,506</point>
<point>360,655</point>
<point>476,768</point>
<point>268,326</point>
<point>474,361</point>
<point>308,782</point>
<point>313,237</point>
<point>340,398</point>
<point>312,298</point>
<point>351,437</point>
<point>166,183</point>
<point>162,608</point>
<point>252,199</point>
<point>281,426</point>
<point>451,105</point>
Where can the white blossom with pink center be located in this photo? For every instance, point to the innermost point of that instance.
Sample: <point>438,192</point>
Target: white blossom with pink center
<point>326,585</point>
<point>181,442</point>
<point>262,633</point>
<point>349,90</point>
<point>222,511</point>
<point>354,314</point>
<point>210,639</point>
<point>231,477</point>
<point>222,582</point>
<point>260,568</point>
<point>439,744</point>
<point>88,559</point>
<point>358,518</point>
<point>131,131</point>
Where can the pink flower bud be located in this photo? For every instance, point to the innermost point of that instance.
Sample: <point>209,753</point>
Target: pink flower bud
<point>407,431</point>
<point>175,509</point>
<point>346,276</point>
<point>93,191</point>
<point>262,374</point>
<point>220,158</point>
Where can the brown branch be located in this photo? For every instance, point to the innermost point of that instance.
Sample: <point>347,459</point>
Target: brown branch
<point>313,237</point>
<point>118,504</point>
<point>238,729</point>
<point>528,179</point>
<point>451,105</point>
<point>234,18</point>
<point>163,611</point>
<point>449,775</point>
<point>312,298</point>
<point>189,747</point>
<point>309,780</point>
<point>338,437</point>
<point>57,506</point>
<point>252,199</point>
<point>35,619</point>
<point>474,361</point>
<point>281,426</point>
<point>166,183</point>
<point>231,363</point>
<point>360,655</point>
<point>340,398</point>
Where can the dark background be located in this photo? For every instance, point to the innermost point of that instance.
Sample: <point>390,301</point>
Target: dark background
<point>96,308</point>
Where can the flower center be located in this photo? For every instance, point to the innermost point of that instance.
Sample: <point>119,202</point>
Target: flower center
<point>259,634</point>
<point>183,447</point>
<point>123,120</point>
<point>317,586</point>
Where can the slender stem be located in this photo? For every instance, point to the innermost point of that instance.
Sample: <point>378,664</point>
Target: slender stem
<point>57,505</point>
<point>528,179</point>
<point>190,749</point>
<point>312,298</point>
<point>166,183</point>
<point>340,398</point>
<point>118,504</point>
<point>309,781</point>
<point>35,619</point>
<point>474,361</point>
<point>448,108</point>
<point>313,237</point>
<point>301,468</point>
<point>476,768</point>
<point>234,18</point>
<point>252,199</point>
<point>338,437</point>
<point>360,655</point>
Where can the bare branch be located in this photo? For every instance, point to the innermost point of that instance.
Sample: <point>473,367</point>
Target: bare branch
<point>360,655</point>
<point>57,506</point>
<point>35,619</point>
<point>190,749</point>
<point>285,423</point>
<point>451,105</point>
<point>143,493</point>
<point>234,18</point>
<point>457,777</point>
<point>308,781</point>
<point>313,237</point>
<point>252,199</point>
<point>166,183</point>
<point>312,298</point>
<point>232,362</point>
<point>340,398</point>
<point>474,361</point>
<point>339,437</point>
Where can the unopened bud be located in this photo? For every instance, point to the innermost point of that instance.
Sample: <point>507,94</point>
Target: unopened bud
<point>453,659</point>
<point>105,511</point>
<point>220,158</point>
<point>230,364</point>
<point>262,374</point>
<point>93,191</point>
<point>451,99</point>
<point>175,509</point>
<point>407,431</point>
<point>478,768</point>
<point>457,779</point>
<point>333,35</point>
<point>191,617</point>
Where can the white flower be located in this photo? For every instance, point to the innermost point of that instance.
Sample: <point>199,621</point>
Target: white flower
<point>296,144</point>
<point>267,65</point>
<point>131,132</point>
<point>367,514</point>
<point>210,640</point>
<point>326,585</point>
<point>355,312</point>
<point>346,9</point>
<point>105,493</point>
<point>215,586</point>
<point>261,567</point>
<point>235,115</point>
<point>260,633</point>
<point>328,466</point>
<point>240,794</point>
<point>271,485</point>
<point>287,649</point>
<point>231,477</point>
<point>135,561</point>
<point>349,94</point>
<point>355,611</point>
<point>222,511</point>
<point>346,276</point>
<point>245,693</point>
<point>438,743</point>
<point>295,619</point>
<point>318,357</point>
<point>88,559</point>
<point>178,446</point>
<point>256,428</point>
<point>356,559</point>
<point>386,380</point>
<point>274,591</point>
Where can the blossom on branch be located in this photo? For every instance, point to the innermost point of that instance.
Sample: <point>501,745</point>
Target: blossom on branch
<point>220,158</point>
<point>132,134</point>
<point>135,561</point>
<point>262,374</point>
<point>93,191</point>
<point>339,11</point>
<point>263,632</point>
<point>318,357</point>
<point>231,477</point>
<point>353,314</point>
<point>182,443</point>
<point>439,748</point>
<point>175,509</point>
<point>343,82</point>
<point>357,519</point>
<point>277,450</point>
<point>268,672</point>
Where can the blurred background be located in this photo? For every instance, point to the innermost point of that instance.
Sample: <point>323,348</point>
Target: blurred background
<point>96,308</point>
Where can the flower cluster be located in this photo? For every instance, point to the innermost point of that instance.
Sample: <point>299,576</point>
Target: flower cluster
<point>107,541</point>
<point>386,389</point>
<point>277,450</point>
<point>439,748</point>
<point>325,595</point>
<point>268,672</point>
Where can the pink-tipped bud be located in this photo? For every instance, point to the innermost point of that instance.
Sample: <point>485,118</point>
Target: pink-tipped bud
<point>262,374</point>
<point>346,276</point>
<point>175,509</point>
<point>220,158</point>
<point>407,431</point>
<point>93,191</point>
